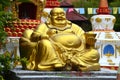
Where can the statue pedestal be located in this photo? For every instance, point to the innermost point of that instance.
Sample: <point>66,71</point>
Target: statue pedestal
<point>108,45</point>
<point>103,74</point>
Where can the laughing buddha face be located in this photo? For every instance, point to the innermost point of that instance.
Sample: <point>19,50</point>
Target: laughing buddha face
<point>58,17</point>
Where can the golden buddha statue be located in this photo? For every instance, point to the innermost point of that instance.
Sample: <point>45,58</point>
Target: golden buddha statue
<point>58,44</point>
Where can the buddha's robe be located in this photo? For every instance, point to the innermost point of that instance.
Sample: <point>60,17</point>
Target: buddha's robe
<point>58,47</point>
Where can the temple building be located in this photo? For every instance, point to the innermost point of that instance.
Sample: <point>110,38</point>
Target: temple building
<point>75,17</point>
<point>34,12</point>
<point>107,39</point>
<point>29,14</point>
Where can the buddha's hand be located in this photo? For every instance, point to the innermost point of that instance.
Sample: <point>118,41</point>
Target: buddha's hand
<point>44,36</point>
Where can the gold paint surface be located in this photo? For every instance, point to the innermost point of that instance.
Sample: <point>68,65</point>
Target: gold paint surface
<point>59,44</point>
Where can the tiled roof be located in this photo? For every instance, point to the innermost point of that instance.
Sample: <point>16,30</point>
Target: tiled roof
<point>65,4</point>
<point>74,15</point>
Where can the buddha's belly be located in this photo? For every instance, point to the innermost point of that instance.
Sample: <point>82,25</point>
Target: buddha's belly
<point>68,40</point>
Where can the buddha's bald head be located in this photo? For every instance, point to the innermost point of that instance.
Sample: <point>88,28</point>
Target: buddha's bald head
<point>57,10</point>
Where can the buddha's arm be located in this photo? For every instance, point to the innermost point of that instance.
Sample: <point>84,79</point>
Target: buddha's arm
<point>25,41</point>
<point>26,47</point>
<point>39,33</point>
<point>35,37</point>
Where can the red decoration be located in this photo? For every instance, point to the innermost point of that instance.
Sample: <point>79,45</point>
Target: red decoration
<point>52,3</point>
<point>22,29</point>
<point>17,30</point>
<point>15,34</point>
<point>110,67</point>
<point>9,33</point>
<point>103,7</point>
<point>7,29</point>
<point>19,34</point>
<point>21,26</point>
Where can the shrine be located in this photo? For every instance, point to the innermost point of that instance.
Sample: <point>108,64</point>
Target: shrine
<point>102,25</point>
<point>26,13</point>
<point>107,39</point>
<point>36,15</point>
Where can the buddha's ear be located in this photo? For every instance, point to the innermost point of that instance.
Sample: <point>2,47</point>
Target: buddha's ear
<point>49,15</point>
<point>48,21</point>
<point>49,18</point>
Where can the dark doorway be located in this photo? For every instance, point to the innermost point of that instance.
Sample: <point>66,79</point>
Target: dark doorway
<point>27,11</point>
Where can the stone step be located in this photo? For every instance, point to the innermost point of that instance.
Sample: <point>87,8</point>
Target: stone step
<point>54,77</point>
<point>103,74</point>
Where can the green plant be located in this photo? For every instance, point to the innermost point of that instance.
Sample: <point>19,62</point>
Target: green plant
<point>24,62</point>
<point>1,77</point>
<point>7,62</point>
<point>6,20</point>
